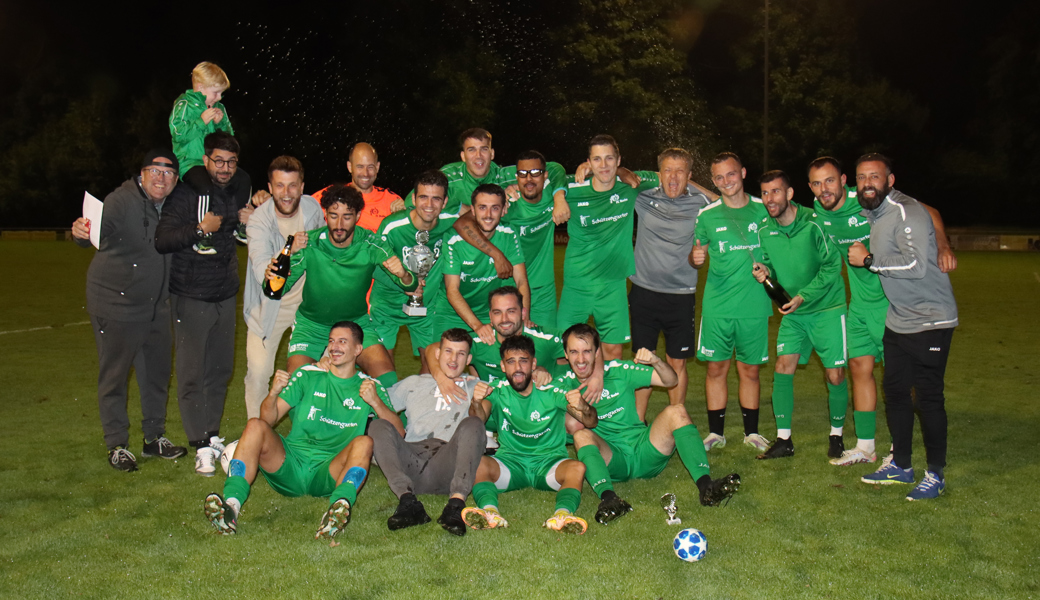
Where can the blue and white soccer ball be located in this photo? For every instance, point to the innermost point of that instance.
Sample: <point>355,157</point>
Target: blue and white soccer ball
<point>690,545</point>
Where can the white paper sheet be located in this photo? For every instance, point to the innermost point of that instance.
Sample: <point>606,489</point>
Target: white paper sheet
<point>92,208</point>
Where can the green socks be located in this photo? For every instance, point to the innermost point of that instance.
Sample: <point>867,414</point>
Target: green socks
<point>387,379</point>
<point>783,399</point>
<point>596,472</point>
<point>566,498</point>
<point>236,487</point>
<point>485,494</point>
<point>866,424</point>
<point>691,450</point>
<point>838,402</point>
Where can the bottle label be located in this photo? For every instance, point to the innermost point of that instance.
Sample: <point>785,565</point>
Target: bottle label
<point>276,283</point>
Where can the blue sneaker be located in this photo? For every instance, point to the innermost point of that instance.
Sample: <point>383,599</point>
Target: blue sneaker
<point>889,473</point>
<point>930,487</point>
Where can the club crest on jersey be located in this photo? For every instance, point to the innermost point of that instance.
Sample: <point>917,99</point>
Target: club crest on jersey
<point>523,230</point>
<point>584,220</point>
<point>722,245</point>
<point>852,222</point>
<point>615,199</point>
<point>314,410</point>
<point>536,415</point>
<point>349,402</point>
<point>752,227</point>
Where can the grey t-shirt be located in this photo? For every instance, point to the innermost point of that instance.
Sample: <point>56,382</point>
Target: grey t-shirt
<point>429,414</point>
<point>664,238</point>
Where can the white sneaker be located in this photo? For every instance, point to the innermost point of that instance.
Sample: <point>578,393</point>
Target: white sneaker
<point>217,443</point>
<point>756,441</point>
<point>854,457</point>
<point>714,440</point>
<point>206,461</point>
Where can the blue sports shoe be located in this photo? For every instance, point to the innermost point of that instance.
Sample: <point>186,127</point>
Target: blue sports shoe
<point>889,473</point>
<point>930,487</point>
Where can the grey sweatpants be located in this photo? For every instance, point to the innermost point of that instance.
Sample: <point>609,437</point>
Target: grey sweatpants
<point>205,343</point>
<point>147,348</point>
<point>431,466</point>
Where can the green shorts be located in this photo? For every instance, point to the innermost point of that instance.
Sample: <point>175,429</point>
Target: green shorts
<point>543,305</point>
<point>300,475</point>
<point>445,319</point>
<point>310,339</point>
<point>528,472</point>
<point>640,461</point>
<point>719,338</point>
<point>389,321</point>
<point>820,331</point>
<point>865,329</point>
<point>607,303</point>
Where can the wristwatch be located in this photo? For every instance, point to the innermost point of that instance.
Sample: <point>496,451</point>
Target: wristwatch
<point>199,232</point>
<point>868,260</point>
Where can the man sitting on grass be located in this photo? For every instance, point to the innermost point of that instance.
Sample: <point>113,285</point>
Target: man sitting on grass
<point>530,424</point>
<point>623,447</point>
<point>326,453</point>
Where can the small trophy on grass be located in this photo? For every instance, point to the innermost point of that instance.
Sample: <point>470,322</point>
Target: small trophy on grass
<point>668,504</point>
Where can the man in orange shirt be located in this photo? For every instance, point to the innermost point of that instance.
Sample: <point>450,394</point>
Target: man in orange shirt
<point>379,202</point>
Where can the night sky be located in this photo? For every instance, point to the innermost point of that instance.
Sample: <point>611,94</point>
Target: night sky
<point>304,81</point>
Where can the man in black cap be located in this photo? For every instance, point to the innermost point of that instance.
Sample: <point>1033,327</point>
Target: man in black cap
<point>128,302</point>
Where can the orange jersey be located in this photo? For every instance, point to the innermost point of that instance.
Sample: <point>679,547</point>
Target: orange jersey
<point>377,206</point>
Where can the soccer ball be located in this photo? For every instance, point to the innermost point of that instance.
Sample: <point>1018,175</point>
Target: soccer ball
<point>690,545</point>
<point>227,455</point>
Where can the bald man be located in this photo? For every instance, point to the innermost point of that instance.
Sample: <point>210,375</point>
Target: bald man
<point>363,165</point>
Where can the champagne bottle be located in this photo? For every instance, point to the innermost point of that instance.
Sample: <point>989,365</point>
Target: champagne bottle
<point>776,291</point>
<point>274,286</point>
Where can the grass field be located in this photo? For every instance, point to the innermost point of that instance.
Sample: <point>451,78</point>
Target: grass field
<point>70,526</point>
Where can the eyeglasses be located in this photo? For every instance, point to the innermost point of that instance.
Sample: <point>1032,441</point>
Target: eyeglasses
<point>233,162</point>
<point>530,173</point>
<point>159,173</point>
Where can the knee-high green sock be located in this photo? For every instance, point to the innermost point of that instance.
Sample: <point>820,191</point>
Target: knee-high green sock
<point>485,494</point>
<point>596,472</point>
<point>236,487</point>
<point>838,402</point>
<point>783,399</point>
<point>866,424</point>
<point>387,379</point>
<point>691,450</point>
<point>348,488</point>
<point>569,499</point>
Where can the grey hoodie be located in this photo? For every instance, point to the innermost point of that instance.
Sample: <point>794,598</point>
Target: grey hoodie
<point>902,239</point>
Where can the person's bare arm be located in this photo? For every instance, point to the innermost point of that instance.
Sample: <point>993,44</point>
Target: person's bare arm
<point>480,407</point>
<point>946,259</point>
<point>664,375</point>
<point>371,397</point>
<point>273,409</point>
<point>584,412</point>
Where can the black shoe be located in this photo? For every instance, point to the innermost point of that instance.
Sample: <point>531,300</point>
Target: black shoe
<point>122,459</point>
<point>611,508</point>
<point>779,449</point>
<point>836,447</point>
<point>719,490</point>
<point>451,518</point>
<point>409,512</point>
<point>163,448</point>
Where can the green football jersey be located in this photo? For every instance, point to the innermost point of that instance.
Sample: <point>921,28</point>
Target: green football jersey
<point>398,233</point>
<point>476,270</point>
<point>548,348</point>
<point>341,273</point>
<point>529,426</point>
<point>803,261</point>
<point>327,412</point>
<point>845,227</point>
<point>619,423</point>
<point>533,222</point>
<point>731,235</point>
<point>600,248</point>
<point>461,184</point>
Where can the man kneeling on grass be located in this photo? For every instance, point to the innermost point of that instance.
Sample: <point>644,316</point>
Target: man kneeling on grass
<point>530,424</point>
<point>623,447</point>
<point>441,448</point>
<point>326,453</point>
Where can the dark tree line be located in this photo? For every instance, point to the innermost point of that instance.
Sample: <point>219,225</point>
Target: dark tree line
<point>408,76</point>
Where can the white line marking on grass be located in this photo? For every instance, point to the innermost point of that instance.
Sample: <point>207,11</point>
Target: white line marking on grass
<point>50,327</point>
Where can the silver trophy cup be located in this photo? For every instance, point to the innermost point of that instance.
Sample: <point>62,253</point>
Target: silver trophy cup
<point>668,504</point>
<point>419,259</point>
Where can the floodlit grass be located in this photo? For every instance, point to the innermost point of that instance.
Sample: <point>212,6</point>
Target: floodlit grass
<point>70,526</point>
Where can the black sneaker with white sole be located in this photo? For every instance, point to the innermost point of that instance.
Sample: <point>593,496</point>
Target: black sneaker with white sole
<point>122,459</point>
<point>163,448</point>
<point>719,490</point>
<point>781,448</point>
